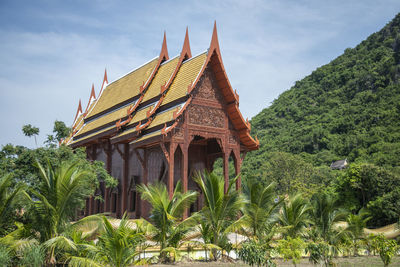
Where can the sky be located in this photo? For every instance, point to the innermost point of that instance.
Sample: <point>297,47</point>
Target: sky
<point>52,51</point>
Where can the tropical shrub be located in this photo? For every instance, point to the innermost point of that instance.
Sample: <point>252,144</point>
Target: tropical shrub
<point>166,216</point>
<point>291,249</point>
<point>255,253</point>
<point>221,210</point>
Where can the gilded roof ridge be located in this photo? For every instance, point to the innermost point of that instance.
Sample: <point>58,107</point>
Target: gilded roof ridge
<point>135,69</point>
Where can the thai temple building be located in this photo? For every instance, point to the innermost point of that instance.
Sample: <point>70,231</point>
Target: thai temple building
<point>163,121</point>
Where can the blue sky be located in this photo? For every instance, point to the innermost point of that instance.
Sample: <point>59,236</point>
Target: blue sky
<point>52,51</point>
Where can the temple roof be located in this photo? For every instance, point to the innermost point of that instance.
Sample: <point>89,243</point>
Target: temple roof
<point>149,100</point>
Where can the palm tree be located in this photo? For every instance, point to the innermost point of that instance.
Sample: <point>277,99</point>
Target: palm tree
<point>61,192</point>
<point>294,215</point>
<point>221,210</point>
<point>8,196</point>
<point>166,215</point>
<point>325,217</point>
<point>115,247</point>
<point>260,209</point>
<point>356,224</point>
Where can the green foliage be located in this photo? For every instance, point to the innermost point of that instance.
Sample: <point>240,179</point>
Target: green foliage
<point>9,198</point>
<point>255,253</point>
<point>221,209</point>
<point>62,191</point>
<point>372,187</point>
<point>325,215</point>
<point>386,248</point>
<point>32,256</point>
<point>320,251</point>
<point>30,131</point>
<point>5,256</point>
<point>348,108</point>
<point>166,214</point>
<point>294,215</point>
<point>260,210</point>
<point>291,249</point>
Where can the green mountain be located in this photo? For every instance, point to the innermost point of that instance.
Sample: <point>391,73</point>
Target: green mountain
<point>349,108</point>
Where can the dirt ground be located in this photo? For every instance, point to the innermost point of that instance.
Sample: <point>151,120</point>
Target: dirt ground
<point>371,261</point>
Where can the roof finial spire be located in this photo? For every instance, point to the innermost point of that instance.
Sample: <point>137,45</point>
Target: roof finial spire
<point>164,49</point>
<point>214,39</point>
<point>105,82</point>
<point>105,76</point>
<point>78,112</point>
<point>92,93</point>
<point>186,46</point>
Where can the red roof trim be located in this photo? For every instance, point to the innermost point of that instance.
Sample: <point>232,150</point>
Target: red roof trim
<point>162,57</point>
<point>185,54</point>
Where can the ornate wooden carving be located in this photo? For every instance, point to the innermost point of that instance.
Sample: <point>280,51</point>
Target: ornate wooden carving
<point>233,140</point>
<point>206,116</point>
<point>208,87</point>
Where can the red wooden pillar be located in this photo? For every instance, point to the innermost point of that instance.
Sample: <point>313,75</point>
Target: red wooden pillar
<point>107,201</point>
<point>184,171</point>
<point>141,207</point>
<point>226,170</point>
<point>125,178</point>
<point>238,163</point>
<point>171,168</point>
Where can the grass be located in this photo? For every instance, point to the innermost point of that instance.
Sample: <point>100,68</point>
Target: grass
<point>364,261</point>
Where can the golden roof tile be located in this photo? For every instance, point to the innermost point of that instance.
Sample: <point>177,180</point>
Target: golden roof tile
<point>186,75</point>
<point>124,88</point>
<point>162,76</point>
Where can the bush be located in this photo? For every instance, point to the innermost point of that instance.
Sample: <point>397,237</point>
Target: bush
<point>32,256</point>
<point>254,253</point>
<point>5,256</point>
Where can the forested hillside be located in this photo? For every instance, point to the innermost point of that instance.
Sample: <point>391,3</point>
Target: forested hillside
<point>349,108</point>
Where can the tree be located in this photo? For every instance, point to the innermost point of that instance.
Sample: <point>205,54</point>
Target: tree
<point>30,130</point>
<point>386,248</point>
<point>116,246</point>
<point>60,131</point>
<point>166,215</point>
<point>62,192</point>
<point>356,224</point>
<point>220,210</point>
<point>294,215</point>
<point>325,232</point>
<point>373,187</point>
<point>9,195</point>
<point>291,249</point>
<point>255,253</point>
<point>260,209</point>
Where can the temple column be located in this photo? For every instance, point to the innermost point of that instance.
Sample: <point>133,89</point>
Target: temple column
<point>184,171</point>
<point>141,207</point>
<point>226,170</point>
<point>125,177</point>
<point>238,163</point>
<point>107,204</point>
<point>171,168</point>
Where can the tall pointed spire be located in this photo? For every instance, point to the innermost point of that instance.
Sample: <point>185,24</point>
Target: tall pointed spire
<point>186,45</point>
<point>78,112</point>
<point>105,82</point>
<point>164,50</point>
<point>214,39</point>
<point>93,93</point>
<point>91,99</point>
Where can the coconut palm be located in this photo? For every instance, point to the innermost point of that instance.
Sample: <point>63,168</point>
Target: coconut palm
<point>116,246</point>
<point>61,192</point>
<point>166,215</point>
<point>8,196</point>
<point>294,215</point>
<point>325,231</point>
<point>356,224</point>
<point>221,210</point>
<point>260,209</point>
